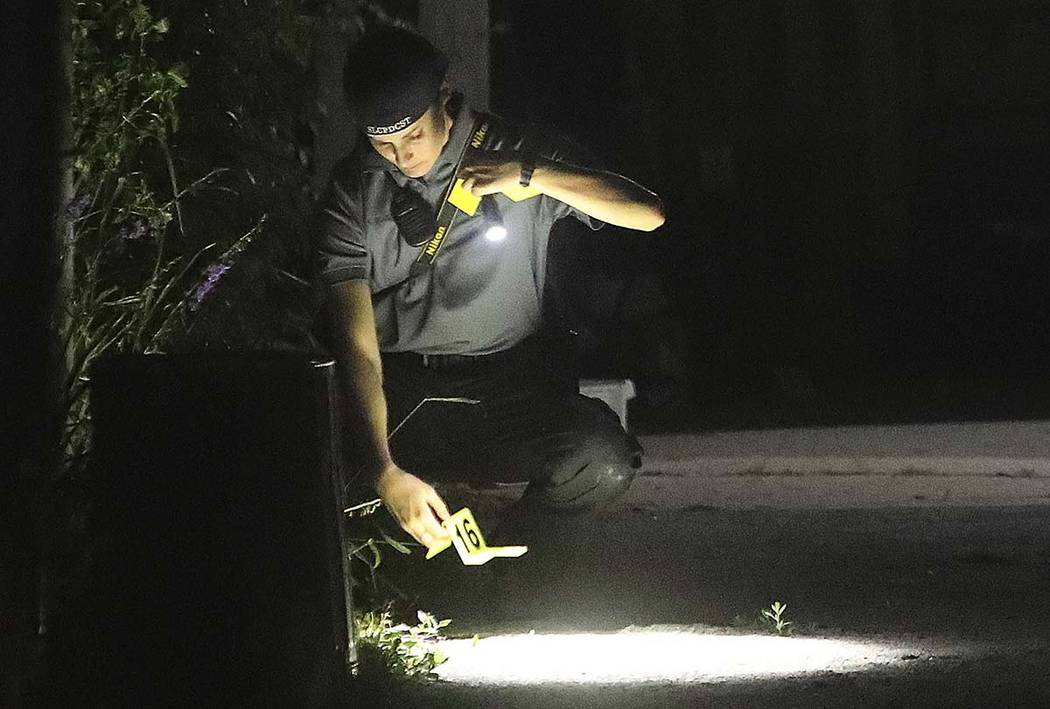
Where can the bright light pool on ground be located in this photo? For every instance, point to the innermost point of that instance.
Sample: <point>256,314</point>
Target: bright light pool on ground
<point>682,655</point>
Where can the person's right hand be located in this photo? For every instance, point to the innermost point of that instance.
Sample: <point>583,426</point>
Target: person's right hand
<point>414,504</point>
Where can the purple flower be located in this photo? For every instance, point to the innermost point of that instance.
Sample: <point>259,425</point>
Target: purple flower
<point>211,277</point>
<point>215,271</point>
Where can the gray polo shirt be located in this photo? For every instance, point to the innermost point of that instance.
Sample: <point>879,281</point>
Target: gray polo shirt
<point>479,296</point>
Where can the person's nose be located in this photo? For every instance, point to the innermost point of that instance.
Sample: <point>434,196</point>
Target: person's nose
<point>403,157</point>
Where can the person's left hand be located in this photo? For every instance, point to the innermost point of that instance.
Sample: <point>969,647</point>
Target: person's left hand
<point>491,172</point>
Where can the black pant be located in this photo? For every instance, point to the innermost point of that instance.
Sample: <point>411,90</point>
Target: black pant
<point>529,425</point>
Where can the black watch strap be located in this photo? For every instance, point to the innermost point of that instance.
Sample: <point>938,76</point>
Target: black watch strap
<point>528,166</point>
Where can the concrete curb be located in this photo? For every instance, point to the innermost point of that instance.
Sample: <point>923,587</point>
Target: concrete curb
<point>662,492</point>
<point>1015,449</point>
<point>929,465</point>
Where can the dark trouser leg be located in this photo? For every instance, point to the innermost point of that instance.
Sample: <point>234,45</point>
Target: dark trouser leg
<point>578,461</point>
<point>576,458</point>
<point>570,449</point>
<point>528,427</point>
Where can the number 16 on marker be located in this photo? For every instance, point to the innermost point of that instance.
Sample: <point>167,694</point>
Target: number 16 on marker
<point>466,537</point>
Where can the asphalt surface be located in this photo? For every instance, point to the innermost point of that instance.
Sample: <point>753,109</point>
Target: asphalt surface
<point>958,595</point>
<point>942,577</point>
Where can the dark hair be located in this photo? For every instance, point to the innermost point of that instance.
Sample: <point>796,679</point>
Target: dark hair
<point>392,73</point>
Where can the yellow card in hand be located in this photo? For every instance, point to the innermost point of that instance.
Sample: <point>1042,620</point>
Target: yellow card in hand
<point>466,537</point>
<point>464,201</point>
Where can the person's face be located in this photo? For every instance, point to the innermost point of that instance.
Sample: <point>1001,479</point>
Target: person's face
<point>415,148</point>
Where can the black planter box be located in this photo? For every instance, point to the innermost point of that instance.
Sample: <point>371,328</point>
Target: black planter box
<point>226,582</point>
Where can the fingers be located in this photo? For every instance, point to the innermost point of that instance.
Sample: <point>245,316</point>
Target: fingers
<point>439,507</point>
<point>426,529</point>
<point>481,180</point>
<point>480,186</point>
<point>423,523</point>
<point>475,181</point>
<point>417,507</point>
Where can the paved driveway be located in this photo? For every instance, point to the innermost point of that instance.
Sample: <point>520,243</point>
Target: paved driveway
<point>941,579</point>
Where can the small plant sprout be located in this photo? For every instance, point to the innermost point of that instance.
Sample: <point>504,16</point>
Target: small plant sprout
<point>774,618</point>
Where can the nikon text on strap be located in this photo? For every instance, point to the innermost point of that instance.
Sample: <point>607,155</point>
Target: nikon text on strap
<point>478,134</point>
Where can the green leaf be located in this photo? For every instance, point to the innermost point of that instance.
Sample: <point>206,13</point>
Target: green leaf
<point>377,555</point>
<point>396,544</point>
<point>177,76</point>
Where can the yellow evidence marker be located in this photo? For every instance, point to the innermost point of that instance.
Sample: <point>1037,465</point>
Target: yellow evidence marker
<point>468,203</point>
<point>464,533</point>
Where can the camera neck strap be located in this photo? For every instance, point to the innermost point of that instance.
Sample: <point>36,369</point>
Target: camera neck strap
<point>479,133</point>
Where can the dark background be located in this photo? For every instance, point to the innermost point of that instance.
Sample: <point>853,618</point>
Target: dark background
<point>30,100</point>
<point>858,225</point>
<point>858,228</point>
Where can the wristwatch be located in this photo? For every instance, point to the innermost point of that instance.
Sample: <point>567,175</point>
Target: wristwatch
<point>528,166</point>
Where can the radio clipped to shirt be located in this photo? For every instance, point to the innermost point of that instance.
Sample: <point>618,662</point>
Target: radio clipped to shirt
<point>465,535</point>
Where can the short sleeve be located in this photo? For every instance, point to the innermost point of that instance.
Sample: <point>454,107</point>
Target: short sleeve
<point>560,210</point>
<point>340,252</point>
<point>560,148</point>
